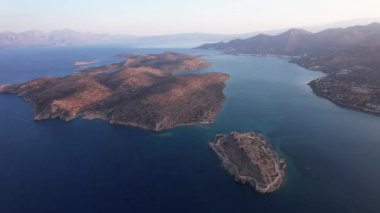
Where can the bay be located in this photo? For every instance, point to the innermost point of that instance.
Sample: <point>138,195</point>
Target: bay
<point>91,166</point>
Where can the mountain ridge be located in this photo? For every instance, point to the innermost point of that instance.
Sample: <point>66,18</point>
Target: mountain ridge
<point>298,42</point>
<point>65,37</point>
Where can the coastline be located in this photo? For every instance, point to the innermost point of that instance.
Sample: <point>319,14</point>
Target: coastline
<point>315,91</point>
<point>340,104</point>
<point>334,101</point>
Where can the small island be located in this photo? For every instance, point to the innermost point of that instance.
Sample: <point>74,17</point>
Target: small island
<point>250,159</point>
<point>142,91</point>
<point>84,63</point>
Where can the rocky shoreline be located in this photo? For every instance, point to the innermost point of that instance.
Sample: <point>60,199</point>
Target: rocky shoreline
<point>318,92</point>
<point>250,159</point>
<point>346,85</point>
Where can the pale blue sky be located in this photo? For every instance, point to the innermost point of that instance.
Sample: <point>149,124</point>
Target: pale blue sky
<point>143,17</point>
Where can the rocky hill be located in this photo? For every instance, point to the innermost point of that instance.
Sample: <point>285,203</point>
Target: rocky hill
<point>250,159</point>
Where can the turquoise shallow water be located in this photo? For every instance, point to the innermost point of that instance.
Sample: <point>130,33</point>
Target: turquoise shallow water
<point>91,166</point>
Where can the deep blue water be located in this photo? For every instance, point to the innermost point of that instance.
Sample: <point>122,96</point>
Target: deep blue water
<point>90,166</point>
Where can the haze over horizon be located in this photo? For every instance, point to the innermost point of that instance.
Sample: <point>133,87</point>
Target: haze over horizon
<point>148,17</point>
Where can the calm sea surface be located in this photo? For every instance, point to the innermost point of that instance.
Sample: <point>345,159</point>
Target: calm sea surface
<point>83,166</point>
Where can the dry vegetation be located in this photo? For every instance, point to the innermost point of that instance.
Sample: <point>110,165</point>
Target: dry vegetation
<point>140,92</point>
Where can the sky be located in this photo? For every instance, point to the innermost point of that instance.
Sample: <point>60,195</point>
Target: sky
<point>148,17</point>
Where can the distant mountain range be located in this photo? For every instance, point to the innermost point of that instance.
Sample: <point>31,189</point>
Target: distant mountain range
<point>188,40</point>
<point>60,37</point>
<point>341,24</point>
<point>70,37</point>
<point>298,42</point>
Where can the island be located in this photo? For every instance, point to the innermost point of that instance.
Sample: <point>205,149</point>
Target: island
<point>84,63</point>
<point>250,159</point>
<point>145,91</point>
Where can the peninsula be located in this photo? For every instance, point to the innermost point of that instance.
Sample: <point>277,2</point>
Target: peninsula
<point>250,159</point>
<point>142,91</point>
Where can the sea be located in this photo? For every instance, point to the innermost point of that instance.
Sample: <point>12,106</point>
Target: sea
<point>332,153</point>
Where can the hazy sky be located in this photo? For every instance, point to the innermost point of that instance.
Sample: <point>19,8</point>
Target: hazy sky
<point>143,17</point>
